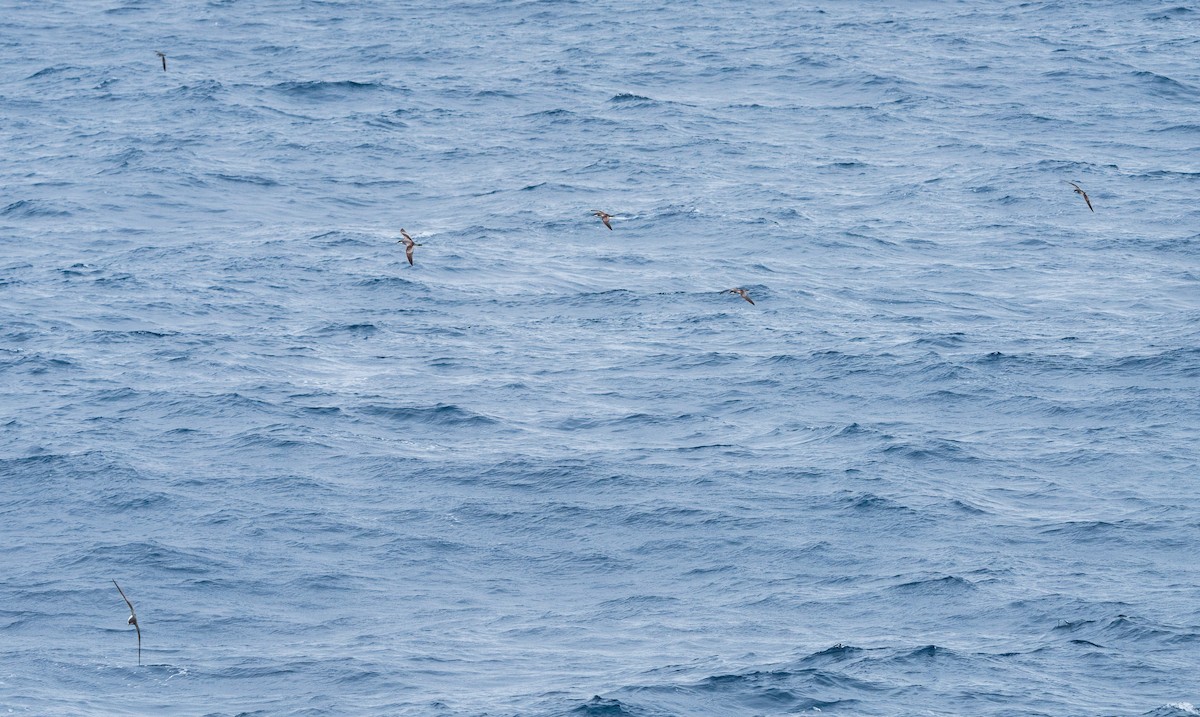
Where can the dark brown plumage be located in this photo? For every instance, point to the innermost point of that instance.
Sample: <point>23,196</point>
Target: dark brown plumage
<point>604,217</point>
<point>1080,192</point>
<point>408,243</point>
<point>740,292</point>
<point>164,60</point>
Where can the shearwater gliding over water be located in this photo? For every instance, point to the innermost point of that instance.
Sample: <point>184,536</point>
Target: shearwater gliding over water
<point>1080,192</point>
<point>132,621</point>
<point>164,59</point>
<point>740,292</point>
<point>604,217</point>
<point>408,243</point>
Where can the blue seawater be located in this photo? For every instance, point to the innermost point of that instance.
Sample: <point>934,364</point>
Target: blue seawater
<point>946,464</point>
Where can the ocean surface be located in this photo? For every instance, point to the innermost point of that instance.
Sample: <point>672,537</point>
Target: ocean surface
<point>946,463</point>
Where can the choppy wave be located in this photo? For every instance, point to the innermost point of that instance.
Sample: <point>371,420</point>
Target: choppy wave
<point>943,465</point>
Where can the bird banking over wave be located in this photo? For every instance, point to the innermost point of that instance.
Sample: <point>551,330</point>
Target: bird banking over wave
<point>604,217</point>
<point>164,60</point>
<point>740,292</point>
<point>1080,192</point>
<point>408,243</point>
<point>132,621</point>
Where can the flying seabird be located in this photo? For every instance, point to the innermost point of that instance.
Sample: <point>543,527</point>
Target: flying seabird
<point>740,292</point>
<point>132,621</point>
<point>164,59</point>
<point>1080,192</point>
<point>408,243</point>
<point>604,217</point>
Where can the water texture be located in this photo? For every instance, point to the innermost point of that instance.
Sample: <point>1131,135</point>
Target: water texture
<point>944,465</point>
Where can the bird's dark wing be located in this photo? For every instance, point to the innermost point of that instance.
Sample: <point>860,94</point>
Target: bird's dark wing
<point>133,619</point>
<point>1080,192</point>
<point>131,610</point>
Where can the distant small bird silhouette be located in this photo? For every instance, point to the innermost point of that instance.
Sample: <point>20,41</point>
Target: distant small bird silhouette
<point>740,292</point>
<point>604,217</point>
<point>164,59</point>
<point>132,621</point>
<point>1080,192</point>
<point>408,243</point>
